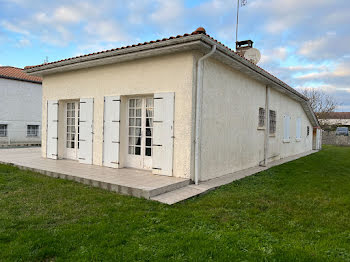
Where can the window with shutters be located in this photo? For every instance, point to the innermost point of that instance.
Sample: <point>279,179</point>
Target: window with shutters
<point>261,122</point>
<point>32,130</point>
<point>3,130</point>
<point>272,122</point>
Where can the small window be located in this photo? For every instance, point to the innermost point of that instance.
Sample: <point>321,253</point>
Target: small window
<point>3,130</point>
<point>308,131</point>
<point>32,130</point>
<point>261,117</point>
<point>272,122</point>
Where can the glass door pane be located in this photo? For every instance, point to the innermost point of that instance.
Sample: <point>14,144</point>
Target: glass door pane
<point>135,126</point>
<point>71,132</point>
<point>149,126</point>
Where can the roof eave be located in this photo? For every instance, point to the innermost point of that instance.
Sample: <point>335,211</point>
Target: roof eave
<point>193,42</point>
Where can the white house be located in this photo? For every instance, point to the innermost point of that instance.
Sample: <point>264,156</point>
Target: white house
<point>185,106</point>
<point>20,107</point>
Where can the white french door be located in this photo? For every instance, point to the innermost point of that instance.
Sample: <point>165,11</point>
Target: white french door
<point>72,129</point>
<point>140,132</point>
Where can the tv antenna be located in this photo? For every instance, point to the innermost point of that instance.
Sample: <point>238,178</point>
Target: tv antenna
<point>243,3</point>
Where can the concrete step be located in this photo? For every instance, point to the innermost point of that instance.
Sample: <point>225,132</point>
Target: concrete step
<point>168,188</point>
<point>180,194</point>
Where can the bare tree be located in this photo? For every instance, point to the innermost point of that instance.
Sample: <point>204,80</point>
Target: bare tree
<point>321,102</point>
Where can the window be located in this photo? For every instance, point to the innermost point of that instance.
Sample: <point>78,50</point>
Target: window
<point>272,122</point>
<point>308,131</point>
<point>298,129</point>
<point>32,130</point>
<point>286,128</point>
<point>261,117</point>
<point>3,130</point>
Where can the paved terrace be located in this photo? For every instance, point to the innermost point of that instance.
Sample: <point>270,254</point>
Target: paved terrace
<point>138,183</point>
<point>134,182</point>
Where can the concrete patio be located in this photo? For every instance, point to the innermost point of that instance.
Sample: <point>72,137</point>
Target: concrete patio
<point>138,183</point>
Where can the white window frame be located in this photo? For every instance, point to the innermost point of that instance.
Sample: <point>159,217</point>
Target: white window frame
<point>286,128</point>
<point>3,130</point>
<point>33,132</point>
<point>298,129</point>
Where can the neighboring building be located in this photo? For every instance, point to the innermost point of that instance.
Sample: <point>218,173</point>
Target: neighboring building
<point>136,107</point>
<point>336,119</point>
<point>20,107</point>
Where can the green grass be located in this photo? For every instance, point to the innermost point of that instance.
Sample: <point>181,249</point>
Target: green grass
<point>299,211</point>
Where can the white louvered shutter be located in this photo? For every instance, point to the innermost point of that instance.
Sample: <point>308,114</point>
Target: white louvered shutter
<point>86,130</point>
<point>298,131</point>
<point>163,134</point>
<point>111,131</point>
<point>52,129</point>
<point>286,127</point>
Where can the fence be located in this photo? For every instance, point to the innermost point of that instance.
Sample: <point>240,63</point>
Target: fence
<point>330,138</point>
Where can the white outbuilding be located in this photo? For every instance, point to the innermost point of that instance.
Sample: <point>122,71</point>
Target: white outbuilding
<point>20,107</point>
<point>185,106</point>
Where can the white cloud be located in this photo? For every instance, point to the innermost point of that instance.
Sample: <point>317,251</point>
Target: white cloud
<point>14,28</point>
<point>23,43</point>
<point>341,70</point>
<point>306,67</point>
<point>67,15</point>
<point>106,31</point>
<point>275,54</point>
<point>167,11</point>
<point>312,47</point>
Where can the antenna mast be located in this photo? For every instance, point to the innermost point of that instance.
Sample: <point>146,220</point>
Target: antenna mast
<point>237,21</point>
<point>243,3</point>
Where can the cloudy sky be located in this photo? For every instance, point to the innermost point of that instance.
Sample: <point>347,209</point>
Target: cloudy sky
<point>304,43</point>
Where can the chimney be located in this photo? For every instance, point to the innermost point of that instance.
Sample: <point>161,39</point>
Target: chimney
<point>243,46</point>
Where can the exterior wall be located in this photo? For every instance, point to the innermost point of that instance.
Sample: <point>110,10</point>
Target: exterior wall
<point>231,140</point>
<point>284,105</point>
<point>171,73</point>
<point>20,105</point>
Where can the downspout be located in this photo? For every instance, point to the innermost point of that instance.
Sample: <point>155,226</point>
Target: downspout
<point>267,125</point>
<point>199,89</point>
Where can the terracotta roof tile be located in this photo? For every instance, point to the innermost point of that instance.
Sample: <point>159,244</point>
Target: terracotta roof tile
<point>17,74</point>
<point>199,30</point>
<point>337,115</point>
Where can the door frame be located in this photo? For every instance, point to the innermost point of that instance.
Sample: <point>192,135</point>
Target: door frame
<point>137,161</point>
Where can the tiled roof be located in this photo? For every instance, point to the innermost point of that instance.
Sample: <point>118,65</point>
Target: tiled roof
<point>15,73</point>
<point>337,115</point>
<point>198,31</point>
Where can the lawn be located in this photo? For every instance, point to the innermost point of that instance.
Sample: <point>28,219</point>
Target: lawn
<point>299,211</point>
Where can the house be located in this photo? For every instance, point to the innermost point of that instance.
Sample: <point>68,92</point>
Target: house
<point>20,107</point>
<point>142,107</point>
<point>335,119</point>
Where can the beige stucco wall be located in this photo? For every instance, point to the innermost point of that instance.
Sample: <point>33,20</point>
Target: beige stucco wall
<point>231,140</point>
<point>171,73</point>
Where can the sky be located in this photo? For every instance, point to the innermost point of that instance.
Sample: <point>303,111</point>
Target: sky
<point>304,43</point>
